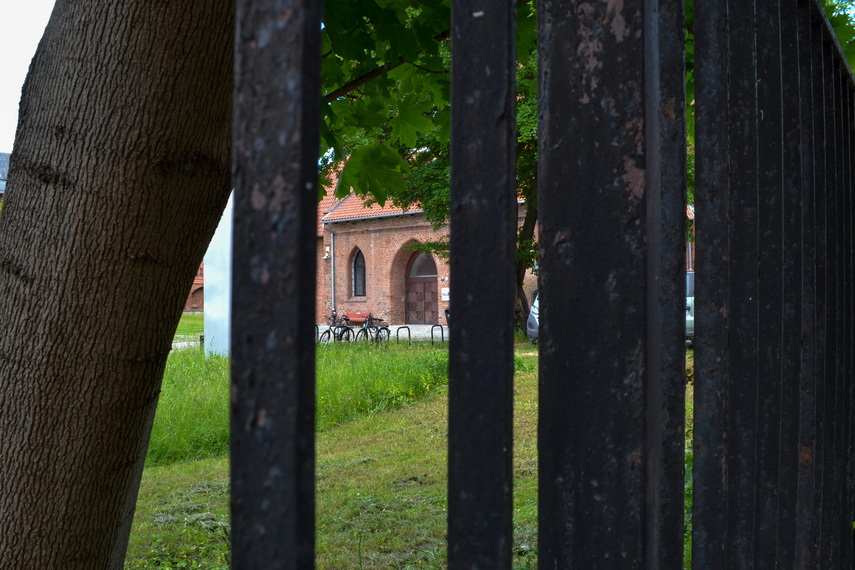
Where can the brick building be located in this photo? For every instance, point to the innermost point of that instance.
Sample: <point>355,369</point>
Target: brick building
<point>366,263</point>
<point>196,298</point>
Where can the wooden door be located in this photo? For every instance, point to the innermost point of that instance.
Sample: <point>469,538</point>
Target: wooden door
<point>421,298</point>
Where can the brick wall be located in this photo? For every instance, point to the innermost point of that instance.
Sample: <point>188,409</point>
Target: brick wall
<point>196,297</point>
<point>384,243</point>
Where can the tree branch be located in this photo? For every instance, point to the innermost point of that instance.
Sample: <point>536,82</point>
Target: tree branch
<point>361,80</point>
<point>374,73</point>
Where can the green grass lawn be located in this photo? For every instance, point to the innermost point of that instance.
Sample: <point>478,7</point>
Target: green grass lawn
<point>380,475</point>
<point>190,327</point>
<point>381,478</point>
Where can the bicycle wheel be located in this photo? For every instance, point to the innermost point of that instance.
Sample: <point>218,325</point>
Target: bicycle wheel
<point>383,334</point>
<point>325,337</point>
<point>361,334</point>
<point>347,335</point>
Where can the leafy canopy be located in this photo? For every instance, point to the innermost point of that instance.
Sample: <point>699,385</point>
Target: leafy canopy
<point>386,96</point>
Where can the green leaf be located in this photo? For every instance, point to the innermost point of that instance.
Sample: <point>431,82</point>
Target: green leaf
<point>526,30</point>
<point>403,43</point>
<point>369,112</point>
<point>442,119</point>
<point>406,76</point>
<point>410,121</point>
<point>373,170</point>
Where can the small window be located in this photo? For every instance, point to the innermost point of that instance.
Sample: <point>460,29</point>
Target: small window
<point>358,274</point>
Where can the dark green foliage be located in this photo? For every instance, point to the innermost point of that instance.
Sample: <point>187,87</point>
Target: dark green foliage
<point>840,14</point>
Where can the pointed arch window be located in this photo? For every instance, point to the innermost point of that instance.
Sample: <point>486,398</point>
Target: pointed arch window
<point>358,274</point>
<point>423,265</point>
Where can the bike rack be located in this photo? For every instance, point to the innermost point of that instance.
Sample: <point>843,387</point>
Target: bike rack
<point>441,331</point>
<point>398,334</point>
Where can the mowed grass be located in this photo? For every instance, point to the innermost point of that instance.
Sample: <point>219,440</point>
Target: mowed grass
<point>381,478</point>
<point>190,327</point>
<point>382,484</point>
<point>192,420</point>
<point>358,379</point>
<point>352,381</point>
<point>182,517</point>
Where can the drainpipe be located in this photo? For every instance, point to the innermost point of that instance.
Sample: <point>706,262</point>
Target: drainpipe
<point>332,265</point>
<point>690,262</point>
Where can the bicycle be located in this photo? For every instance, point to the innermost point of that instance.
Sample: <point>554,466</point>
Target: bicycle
<point>372,329</point>
<point>338,331</point>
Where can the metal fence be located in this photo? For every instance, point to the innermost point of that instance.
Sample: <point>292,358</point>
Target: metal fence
<point>772,480</point>
<point>773,477</point>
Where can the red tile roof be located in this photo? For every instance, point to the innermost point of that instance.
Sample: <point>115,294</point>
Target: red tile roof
<point>327,203</point>
<point>354,207</point>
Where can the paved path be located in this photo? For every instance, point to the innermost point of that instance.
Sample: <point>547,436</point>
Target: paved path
<point>416,332</point>
<point>419,332</point>
<point>399,332</point>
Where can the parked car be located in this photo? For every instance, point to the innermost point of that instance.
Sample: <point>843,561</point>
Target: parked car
<point>532,324</point>
<point>533,321</point>
<point>690,307</point>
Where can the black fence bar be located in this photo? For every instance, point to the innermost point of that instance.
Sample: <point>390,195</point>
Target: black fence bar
<point>820,152</point>
<point>773,382</point>
<point>847,348</point>
<point>846,517</point>
<point>741,388</point>
<point>483,231</point>
<point>726,378</point>
<point>833,480</point>
<point>829,540</point>
<point>772,281</point>
<point>273,311</point>
<point>806,529</point>
<point>611,150</point>
<point>818,42</point>
<point>842,516</point>
<point>665,358</point>
<point>712,359</point>
<point>792,256</point>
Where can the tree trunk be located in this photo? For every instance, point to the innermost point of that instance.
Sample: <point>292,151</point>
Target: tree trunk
<point>526,233</point>
<point>119,174</point>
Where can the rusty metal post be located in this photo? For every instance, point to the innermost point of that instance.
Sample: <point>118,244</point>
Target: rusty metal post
<point>612,244</point>
<point>277,102</point>
<point>483,231</point>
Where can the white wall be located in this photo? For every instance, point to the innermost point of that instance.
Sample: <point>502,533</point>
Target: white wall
<point>218,286</point>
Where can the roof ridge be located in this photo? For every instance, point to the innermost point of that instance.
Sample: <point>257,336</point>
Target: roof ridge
<point>340,202</point>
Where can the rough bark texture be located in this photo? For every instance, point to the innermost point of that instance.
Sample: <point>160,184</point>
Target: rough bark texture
<point>119,174</point>
<point>526,233</point>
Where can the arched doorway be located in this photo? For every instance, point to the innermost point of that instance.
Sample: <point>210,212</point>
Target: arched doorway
<point>422,306</point>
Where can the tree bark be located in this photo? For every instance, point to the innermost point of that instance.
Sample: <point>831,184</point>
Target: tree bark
<point>119,174</point>
<point>525,234</point>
